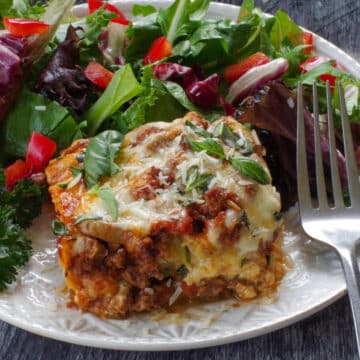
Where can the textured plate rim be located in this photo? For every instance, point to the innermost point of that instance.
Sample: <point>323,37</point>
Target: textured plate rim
<point>325,48</point>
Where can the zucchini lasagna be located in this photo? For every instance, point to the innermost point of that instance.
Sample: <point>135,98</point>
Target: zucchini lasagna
<point>196,218</point>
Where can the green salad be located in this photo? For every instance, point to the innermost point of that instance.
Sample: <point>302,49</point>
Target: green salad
<point>63,78</point>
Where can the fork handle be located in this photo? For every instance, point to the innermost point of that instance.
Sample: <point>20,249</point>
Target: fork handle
<point>352,278</point>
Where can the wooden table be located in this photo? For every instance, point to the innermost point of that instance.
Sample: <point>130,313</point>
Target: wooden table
<point>327,335</point>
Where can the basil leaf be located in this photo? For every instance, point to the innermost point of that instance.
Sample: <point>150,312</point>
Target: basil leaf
<point>86,217</point>
<point>191,178</point>
<point>226,135</point>
<point>59,228</point>
<point>100,155</point>
<point>211,147</point>
<point>198,130</point>
<point>230,139</point>
<point>107,195</point>
<point>250,168</point>
<point>197,181</point>
<point>76,171</point>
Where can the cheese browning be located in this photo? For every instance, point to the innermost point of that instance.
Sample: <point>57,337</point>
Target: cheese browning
<point>189,225</point>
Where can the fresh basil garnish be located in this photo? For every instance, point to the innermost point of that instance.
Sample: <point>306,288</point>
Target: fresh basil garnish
<point>107,195</point>
<point>86,217</point>
<point>59,228</point>
<point>194,180</point>
<point>76,171</point>
<point>232,140</point>
<point>100,155</point>
<point>198,130</point>
<point>250,168</point>
<point>212,147</point>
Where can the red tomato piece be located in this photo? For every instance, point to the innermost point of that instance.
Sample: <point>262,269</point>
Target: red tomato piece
<point>120,21</point>
<point>25,27</point>
<point>159,49</point>
<point>98,75</point>
<point>308,40</point>
<point>14,173</point>
<point>94,5</point>
<point>235,71</point>
<point>39,152</point>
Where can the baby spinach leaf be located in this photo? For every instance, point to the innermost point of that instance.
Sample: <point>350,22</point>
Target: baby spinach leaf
<point>212,147</point>
<point>100,155</point>
<point>250,168</point>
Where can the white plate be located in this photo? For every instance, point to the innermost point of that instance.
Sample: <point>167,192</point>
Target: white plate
<point>37,303</point>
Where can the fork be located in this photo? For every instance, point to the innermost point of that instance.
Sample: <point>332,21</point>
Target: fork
<point>335,223</point>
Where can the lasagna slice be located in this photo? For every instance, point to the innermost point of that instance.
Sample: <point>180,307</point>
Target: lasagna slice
<point>190,223</point>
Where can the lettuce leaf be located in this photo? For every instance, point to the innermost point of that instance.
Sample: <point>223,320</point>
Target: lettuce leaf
<point>33,112</point>
<point>122,88</point>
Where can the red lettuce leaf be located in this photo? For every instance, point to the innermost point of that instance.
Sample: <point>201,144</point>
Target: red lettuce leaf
<point>63,80</point>
<point>276,113</point>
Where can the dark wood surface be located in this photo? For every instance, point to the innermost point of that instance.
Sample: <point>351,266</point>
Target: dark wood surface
<point>326,335</point>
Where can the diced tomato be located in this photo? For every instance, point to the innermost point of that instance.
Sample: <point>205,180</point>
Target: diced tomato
<point>94,5</point>
<point>120,21</point>
<point>308,40</point>
<point>159,49</point>
<point>39,152</point>
<point>235,71</point>
<point>189,291</point>
<point>98,75</point>
<point>14,173</point>
<point>314,62</point>
<point>25,27</point>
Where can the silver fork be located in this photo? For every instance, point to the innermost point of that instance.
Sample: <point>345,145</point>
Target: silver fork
<point>335,224</point>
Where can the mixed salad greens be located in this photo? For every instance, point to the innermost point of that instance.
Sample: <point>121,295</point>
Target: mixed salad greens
<point>63,78</point>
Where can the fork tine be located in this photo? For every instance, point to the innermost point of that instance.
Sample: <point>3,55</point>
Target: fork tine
<point>351,167</point>
<point>301,158</point>
<point>335,178</point>
<point>320,179</point>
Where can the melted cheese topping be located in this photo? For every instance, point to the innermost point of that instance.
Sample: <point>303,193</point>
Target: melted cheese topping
<point>208,255</point>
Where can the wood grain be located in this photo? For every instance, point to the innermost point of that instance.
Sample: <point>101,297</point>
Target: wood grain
<point>327,335</point>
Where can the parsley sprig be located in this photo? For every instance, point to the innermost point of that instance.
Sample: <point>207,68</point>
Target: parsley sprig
<point>17,210</point>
